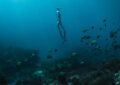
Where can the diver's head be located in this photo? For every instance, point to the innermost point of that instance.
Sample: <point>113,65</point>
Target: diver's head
<point>58,9</point>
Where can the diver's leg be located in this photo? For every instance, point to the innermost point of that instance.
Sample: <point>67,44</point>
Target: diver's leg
<point>60,31</point>
<point>64,32</point>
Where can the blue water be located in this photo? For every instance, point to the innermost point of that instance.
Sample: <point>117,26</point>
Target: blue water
<point>32,23</point>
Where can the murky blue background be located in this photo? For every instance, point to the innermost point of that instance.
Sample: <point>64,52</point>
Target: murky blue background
<point>32,23</point>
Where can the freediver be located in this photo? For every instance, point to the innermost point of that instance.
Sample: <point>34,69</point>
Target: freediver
<point>60,26</point>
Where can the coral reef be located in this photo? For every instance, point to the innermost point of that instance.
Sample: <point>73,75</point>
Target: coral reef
<point>23,67</point>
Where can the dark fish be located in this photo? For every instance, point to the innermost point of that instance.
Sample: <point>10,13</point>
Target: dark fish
<point>105,25</point>
<point>112,34</point>
<point>92,27</point>
<point>98,47</point>
<point>55,50</point>
<point>112,55</point>
<point>49,56</point>
<point>116,46</point>
<point>88,37</point>
<point>104,20</point>
<point>98,36</point>
<point>83,37</point>
<point>85,30</point>
<point>115,41</point>
<point>87,43</point>
<point>106,39</point>
<point>118,29</point>
<point>100,28</point>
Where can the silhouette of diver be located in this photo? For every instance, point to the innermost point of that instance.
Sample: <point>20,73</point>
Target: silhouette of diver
<point>60,26</point>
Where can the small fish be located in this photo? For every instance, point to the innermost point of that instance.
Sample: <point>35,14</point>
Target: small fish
<point>55,50</point>
<point>106,39</point>
<point>98,36</point>
<point>117,46</point>
<point>49,56</point>
<point>98,47</point>
<point>74,54</point>
<point>115,41</point>
<point>104,20</point>
<point>112,34</point>
<point>87,43</point>
<point>88,37</point>
<point>83,37</point>
<point>112,55</point>
<point>85,30</point>
<point>118,29</point>
<point>100,28</point>
<point>105,25</point>
<point>92,27</point>
<point>93,42</point>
